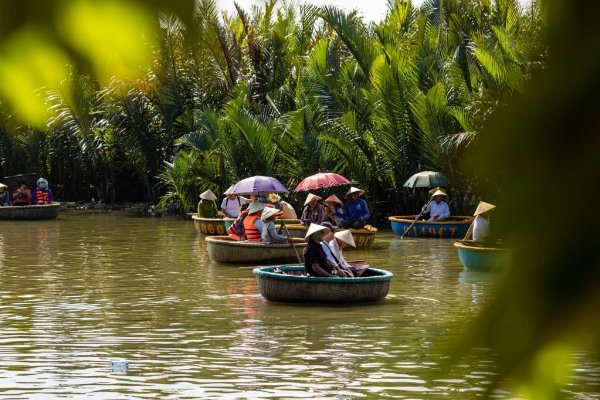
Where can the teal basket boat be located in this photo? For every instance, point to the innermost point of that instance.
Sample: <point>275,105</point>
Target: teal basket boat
<point>291,286</point>
<point>453,227</point>
<point>474,255</point>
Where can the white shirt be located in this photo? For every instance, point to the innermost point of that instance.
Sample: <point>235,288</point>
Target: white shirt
<point>232,207</point>
<point>481,228</point>
<point>337,252</point>
<point>438,211</point>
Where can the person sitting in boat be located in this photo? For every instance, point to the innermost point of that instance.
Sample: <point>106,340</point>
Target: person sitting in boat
<point>4,196</point>
<point>269,232</point>
<point>355,213</point>
<point>480,228</point>
<point>207,208</point>
<point>22,195</point>
<point>437,207</point>
<point>237,230</point>
<point>328,236</point>
<point>252,223</point>
<point>340,241</point>
<point>232,205</point>
<point>313,212</point>
<point>315,260</point>
<point>332,205</point>
<point>42,193</point>
<point>284,206</point>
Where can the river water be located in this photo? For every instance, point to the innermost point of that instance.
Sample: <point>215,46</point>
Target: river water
<point>85,289</point>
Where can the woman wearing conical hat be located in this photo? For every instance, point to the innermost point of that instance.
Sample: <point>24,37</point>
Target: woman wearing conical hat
<point>207,208</point>
<point>332,205</point>
<point>356,212</point>
<point>315,259</point>
<point>313,212</point>
<point>480,228</point>
<point>437,207</point>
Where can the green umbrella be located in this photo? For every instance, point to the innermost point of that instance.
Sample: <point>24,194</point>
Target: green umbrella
<point>426,179</point>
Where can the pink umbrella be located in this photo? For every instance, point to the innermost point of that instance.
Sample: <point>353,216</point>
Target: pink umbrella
<point>321,180</point>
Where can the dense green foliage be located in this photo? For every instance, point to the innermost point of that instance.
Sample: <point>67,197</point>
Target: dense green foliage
<point>287,91</point>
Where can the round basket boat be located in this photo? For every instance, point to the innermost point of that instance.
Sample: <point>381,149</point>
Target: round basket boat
<point>362,237</point>
<point>290,286</point>
<point>224,249</point>
<point>49,211</point>
<point>474,255</point>
<point>453,227</point>
<point>211,226</point>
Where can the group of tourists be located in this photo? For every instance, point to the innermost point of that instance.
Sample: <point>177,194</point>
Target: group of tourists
<point>354,214</point>
<point>233,204</point>
<point>23,196</point>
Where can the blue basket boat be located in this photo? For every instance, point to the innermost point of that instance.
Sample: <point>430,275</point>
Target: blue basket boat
<point>291,286</point>
<point>453,227</point>
<point>474,255</point>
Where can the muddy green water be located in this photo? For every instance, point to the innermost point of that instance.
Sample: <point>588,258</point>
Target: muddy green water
<point>83,290</point>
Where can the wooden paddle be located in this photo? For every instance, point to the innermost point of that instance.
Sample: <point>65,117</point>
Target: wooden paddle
<point>416,219</point>
<point>284,226</point>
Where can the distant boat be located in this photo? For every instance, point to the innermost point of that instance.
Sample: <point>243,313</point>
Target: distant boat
<point>475,255</point>
<point>225,249</point>
<point>288,284</point>
<point>362,237</point>
<point>48,211</point>
<point>453,227</point>
<point>219,226</point>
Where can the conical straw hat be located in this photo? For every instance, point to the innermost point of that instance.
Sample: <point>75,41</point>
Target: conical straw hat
<point>310,198</point>
<point>314,228</point>
<point>346,237</point>
<point>333,199</point>
<point>255,207</point>
<point>208,195</point>
<point>439,193</point>
<point>2,185</point>
<point>355,190</point>
<point>483,207</point>
<point>268,212</point>
<point>432,191</point>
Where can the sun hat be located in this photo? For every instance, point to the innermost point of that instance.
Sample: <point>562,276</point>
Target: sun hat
<point>483,207</point>
<point>208,195</point>
<point>312,229</point>
<point>311,197</point>
<point>268,212</point>
<point>3,186</point>
<point>355,190</point>
<point>329,225</point>
<point>346,237</point>
<point>439,193</point>
<point>274,197</point>
<point>435,189</point>
<point>333,199</point>
<point>255,207</point>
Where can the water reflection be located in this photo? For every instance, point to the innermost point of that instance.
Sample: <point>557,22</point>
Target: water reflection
<point>84,290</point>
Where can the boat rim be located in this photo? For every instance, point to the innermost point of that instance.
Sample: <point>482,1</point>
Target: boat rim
<point>464,219</point>
<point>267,271</point>
<point>228,241</point>
<point>465,246</point>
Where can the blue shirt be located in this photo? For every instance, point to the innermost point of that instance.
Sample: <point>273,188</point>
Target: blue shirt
<point>356,210</point>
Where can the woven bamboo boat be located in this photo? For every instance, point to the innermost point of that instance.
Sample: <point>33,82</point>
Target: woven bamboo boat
<point>224,249</point>
<point>49,211</point>
<point>291,286</point>
<point>474,255</point>
<point>362,237</point>
<point>219,226</point>
<point>211,226</point>
<point>453,227</point>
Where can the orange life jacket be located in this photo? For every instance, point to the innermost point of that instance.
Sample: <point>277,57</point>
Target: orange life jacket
<point>42,197</point>
<point>250,231</point>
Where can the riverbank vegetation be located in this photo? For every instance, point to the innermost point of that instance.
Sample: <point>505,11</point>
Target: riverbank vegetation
<point>286,91</point>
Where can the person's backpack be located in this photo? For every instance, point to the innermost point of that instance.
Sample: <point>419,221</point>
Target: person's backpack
<point>237,228</point>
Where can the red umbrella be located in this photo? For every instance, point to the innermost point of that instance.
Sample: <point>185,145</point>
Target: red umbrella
<point>321,180</point>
